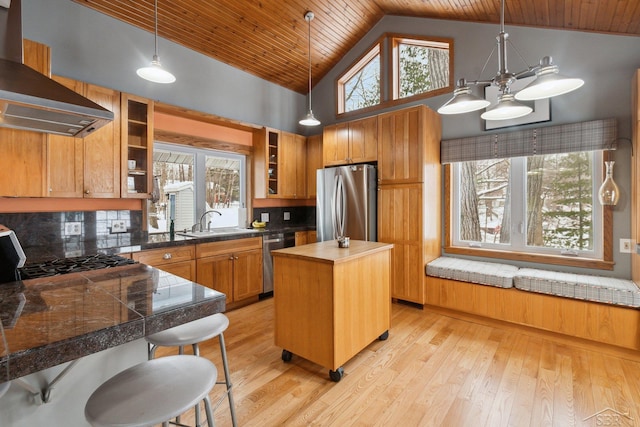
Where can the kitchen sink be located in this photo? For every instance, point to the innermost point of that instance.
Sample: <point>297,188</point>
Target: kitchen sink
<point>223,231</point>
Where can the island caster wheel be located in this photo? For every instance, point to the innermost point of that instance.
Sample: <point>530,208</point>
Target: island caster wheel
<point>384,336</point>
<point>286,355</point>
<point>336,375</point>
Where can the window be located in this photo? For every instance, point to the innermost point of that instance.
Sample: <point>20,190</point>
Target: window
<point>419,66</point>
<point>408,68</point>
<point>359,87</point>
<point>542,204</point>
<point>191,181</point>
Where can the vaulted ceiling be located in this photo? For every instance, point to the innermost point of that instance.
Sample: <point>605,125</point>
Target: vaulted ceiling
<point>268,38</point>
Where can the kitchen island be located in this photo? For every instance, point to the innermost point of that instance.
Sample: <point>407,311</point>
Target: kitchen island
<point>96,320</point>
<point>331,302</point>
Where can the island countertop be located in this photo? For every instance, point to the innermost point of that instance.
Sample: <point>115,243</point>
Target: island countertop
<point>329,252</point>
<point>52,320</point>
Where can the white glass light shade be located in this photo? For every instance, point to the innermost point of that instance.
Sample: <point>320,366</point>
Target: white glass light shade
<point>609,193</point>
<point>548,83</point>
<point>506,108</point>
<point>309,120</point>
<point>463,101</point>
<point>155,73</point>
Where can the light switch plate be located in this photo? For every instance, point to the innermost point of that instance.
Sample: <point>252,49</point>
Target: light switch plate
<point>118,226</point>
<point>625,246</point>
<point>264,217</point>
<point>287,216</point>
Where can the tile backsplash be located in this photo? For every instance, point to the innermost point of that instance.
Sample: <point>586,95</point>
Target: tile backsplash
<point>298,216</point>
<point>47,235</point>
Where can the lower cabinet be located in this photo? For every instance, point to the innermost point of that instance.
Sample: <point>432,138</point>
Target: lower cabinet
<point>304,237</point>
<point>233,267</point>
<point>179,260</point>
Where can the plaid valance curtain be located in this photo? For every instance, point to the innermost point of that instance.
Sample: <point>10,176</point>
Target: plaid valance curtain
<point>583,136</point>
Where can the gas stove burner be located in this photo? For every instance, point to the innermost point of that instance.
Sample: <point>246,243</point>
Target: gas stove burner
<point>72,265</point>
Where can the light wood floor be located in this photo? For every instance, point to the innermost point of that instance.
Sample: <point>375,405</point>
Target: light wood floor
<point>433,370</point>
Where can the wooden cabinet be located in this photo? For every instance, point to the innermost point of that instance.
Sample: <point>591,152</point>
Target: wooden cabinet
<point>178,260</point>
<point>233,267</point>
<point>137,146</point>
<point>329,302</point>
<point>292,166</point>
<point>24,153</point>
<point>351,142</point>
<point>409,196</point>
<point>279,165</point>
<point>409,142</point>
<point>305,237</point>
<point>90,166</point>
<point>314,162</point>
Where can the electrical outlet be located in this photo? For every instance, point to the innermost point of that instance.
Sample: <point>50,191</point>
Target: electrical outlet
<point>72,228</point>
<point>118,226</point>
<point>287,216</point>
<point>625,246</point>
<point>264,217</point>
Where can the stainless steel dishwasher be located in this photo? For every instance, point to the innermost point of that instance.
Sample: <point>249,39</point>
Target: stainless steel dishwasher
<point>270,242</point>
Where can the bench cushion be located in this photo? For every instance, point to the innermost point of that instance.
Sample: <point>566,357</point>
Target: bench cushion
<point>484,273</point>
<point>608,290</point>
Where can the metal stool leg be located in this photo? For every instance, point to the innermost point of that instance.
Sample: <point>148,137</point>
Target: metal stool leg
<point>227,379</point>
<point>208,411</point>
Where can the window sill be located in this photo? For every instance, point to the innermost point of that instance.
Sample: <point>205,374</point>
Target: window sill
<point>526,257</point>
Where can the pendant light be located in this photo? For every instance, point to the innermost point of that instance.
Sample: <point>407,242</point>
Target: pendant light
<point>309,119</point>
<point>154,72</point>
<point>548,83</point>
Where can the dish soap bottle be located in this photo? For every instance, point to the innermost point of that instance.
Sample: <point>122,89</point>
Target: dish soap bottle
<point>172,231</point>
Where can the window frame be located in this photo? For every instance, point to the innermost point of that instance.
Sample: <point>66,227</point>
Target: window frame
<point>355,68</point>
<point>199,171</point>
<point>387,100</point>
<point>395,40</point>
<point>606,236</point>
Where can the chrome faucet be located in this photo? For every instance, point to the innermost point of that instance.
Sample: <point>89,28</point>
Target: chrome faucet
<point>199,224</point>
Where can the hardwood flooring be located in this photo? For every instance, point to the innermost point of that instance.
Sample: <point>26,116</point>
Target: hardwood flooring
<point>434,370</point>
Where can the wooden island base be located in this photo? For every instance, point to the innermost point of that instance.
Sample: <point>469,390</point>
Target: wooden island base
<point>331,302</point>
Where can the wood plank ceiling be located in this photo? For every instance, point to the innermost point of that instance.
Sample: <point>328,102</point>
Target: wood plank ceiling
<point>268,38</point>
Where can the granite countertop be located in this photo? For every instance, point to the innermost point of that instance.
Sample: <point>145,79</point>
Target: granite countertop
<point>53,320</point>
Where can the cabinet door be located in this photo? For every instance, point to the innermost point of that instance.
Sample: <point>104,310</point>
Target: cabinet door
<point>136,132</point>
<point>184,269</point>
<point>335,144</point>
<point>102,148</point>
<point>400,146</point>
<point>247,272</point>
<point>216,272</point>
<point>292,181</point>
<point>65,156</point>
<point>363,140</point>
<point>314,162</point>
<point>401,223</point>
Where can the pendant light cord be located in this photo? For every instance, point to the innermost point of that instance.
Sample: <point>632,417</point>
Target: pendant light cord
<point>309,41</point>
<point>156,27</point>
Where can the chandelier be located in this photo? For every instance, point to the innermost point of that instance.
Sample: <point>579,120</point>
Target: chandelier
<point>548,83</point>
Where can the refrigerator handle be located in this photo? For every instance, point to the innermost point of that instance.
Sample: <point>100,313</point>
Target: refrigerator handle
<point>334,202</point>
<point>342,205</point>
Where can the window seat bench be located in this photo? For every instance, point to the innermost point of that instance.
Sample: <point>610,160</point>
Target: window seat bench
<point>600,309</point>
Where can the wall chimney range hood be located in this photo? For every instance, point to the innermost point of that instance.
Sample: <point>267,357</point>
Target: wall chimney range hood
<point>32,101</point>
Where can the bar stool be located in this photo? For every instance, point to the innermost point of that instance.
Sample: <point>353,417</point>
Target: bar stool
<point>153,392</point>
<point>193,333</point>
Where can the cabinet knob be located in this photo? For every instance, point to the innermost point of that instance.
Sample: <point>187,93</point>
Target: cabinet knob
<point>86,191</point>
<point>167,256</point>
<point>231,258</point>
<point>235,258</point>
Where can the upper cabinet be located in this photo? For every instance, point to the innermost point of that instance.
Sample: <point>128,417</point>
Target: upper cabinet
<point>90,166</point>
<point>137,146</point>
<point>24,153</point>
<point>351,142</point>
<point>279,164</point>
<point>314,162</point>
<point>408,139</point>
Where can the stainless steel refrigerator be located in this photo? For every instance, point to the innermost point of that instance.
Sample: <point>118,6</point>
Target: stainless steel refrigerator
<point>346,203</point>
